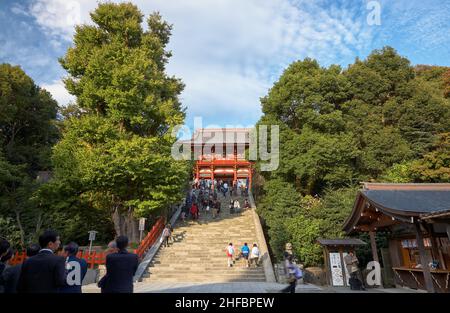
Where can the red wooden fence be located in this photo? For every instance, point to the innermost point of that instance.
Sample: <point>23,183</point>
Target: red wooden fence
<point>98,258</point>
<point>151,237</point>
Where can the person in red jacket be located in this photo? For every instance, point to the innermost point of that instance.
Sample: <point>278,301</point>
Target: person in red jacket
<point>194,211</point>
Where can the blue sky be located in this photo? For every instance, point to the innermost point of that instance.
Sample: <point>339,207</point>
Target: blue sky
<point>229,52</point>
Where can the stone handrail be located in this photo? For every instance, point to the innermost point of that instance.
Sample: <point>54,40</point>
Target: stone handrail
<point>265,257</point>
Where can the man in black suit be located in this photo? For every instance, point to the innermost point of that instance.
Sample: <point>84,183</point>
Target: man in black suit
<point>120,269</point>
<point>76,269</point>
<point>11,275</point>
<point>44,272</point>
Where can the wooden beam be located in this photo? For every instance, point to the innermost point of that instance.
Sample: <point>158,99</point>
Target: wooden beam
<point>383,221</point>
<point>423,261</point>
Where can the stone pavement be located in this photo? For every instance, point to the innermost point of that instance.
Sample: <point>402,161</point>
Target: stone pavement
<point>242,287</point>
<point>197,287</point>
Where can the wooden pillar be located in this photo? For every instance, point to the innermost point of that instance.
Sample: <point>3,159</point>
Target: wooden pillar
<point>212,177</point>
<point>343,265</point>
<point>249,177</point>
<point>373,245</point>
<point>423,261</point>
<point>197,173</point>
<point>436,252</point>
<point>326,257</point>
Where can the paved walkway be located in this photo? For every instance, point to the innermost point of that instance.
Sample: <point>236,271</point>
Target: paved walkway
<point>232,287</point>
<point>242,287</point>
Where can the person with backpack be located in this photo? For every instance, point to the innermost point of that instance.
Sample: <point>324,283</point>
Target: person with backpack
<point>351,262</point>
<point>230,254</point>
<point>293,274</point>
<point>245,252</point>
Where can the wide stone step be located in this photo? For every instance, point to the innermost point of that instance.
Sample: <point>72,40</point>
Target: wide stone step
<point>182,275</point>
<point>209,267</point>
<point>215,261</point>
<point>208,270</point>
<point>202,279</point>
<point>197,253</point>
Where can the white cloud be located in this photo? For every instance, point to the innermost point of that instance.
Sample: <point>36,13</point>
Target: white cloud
<point>57,17</point>
<point>59,92</point>
<point>19,9</point>
<point>229,52</point>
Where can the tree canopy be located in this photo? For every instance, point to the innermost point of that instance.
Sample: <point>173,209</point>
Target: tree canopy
<point>27,133</point>
<point>379,119</point>
<point>116,149</point>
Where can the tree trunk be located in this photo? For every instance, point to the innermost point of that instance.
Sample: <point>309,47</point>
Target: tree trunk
<point>38,226</point>
<point>132,227</point>
<point>117,220</point>
<point>19,223</point>
<point>126,225</point>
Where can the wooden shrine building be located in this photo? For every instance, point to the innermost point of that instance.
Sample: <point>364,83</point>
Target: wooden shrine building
<point>220,153</point>
<point>417,219</point>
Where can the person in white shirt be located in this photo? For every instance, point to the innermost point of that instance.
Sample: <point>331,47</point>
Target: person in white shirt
<point>230,254</point>
<point>237,206</point>
<point>254,256</point>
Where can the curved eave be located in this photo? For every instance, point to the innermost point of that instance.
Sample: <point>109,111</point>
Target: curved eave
<point>358,208</point>
<point>353,219</point>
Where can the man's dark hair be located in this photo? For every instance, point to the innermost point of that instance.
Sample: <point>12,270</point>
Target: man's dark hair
<point>9,254</point>
<point>122,242</point>
<point>71,248</point>
<point>4,246</point>
<point>33,249</point>
<point>47,237</point>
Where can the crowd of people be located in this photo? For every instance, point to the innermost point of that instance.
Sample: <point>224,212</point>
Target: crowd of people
<point>50,269</point>
<point>203,198</point>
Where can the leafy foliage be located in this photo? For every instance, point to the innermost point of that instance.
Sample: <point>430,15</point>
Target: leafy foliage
<point>115,149</point>
<point>379,119</point>
<point>27,132</point>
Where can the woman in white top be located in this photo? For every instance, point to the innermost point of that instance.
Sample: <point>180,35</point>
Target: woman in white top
<point>237,206</point>
<point>230,254</point>
<point>254,255</point>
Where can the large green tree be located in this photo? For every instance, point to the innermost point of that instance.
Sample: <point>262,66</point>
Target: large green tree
<point>115,148</point>
<point>27,133</point>
<point>378,119</point>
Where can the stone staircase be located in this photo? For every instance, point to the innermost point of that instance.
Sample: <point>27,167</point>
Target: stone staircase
<point>198,251</point>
